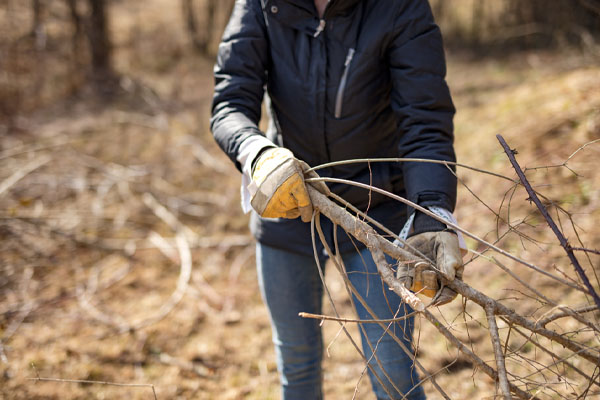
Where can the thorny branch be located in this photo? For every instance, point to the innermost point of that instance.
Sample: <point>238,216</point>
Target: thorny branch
<point>561,238</point>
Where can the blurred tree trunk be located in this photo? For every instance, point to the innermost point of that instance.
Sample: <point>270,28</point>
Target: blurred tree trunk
<point>38,30</point>
<point>75,18</point>
<point>200,34</point>
<point>77,29</point>
<point>477,22</point>
<point>99,40</point>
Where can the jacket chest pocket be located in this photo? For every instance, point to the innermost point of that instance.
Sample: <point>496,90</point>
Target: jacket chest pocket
<point>339,97</point>
<point>363,83</point>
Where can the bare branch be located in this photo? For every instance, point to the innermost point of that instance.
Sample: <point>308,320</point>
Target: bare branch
<point>493,328</point>
<point>23,172</point>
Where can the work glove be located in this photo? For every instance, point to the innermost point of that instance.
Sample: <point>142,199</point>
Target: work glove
<point>278,178</point>
<point>442,248</point>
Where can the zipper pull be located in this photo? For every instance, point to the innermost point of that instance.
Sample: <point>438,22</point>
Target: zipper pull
<point>320,28</point>
<point>349,57</point>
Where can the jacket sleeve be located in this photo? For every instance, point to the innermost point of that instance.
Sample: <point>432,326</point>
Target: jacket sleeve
<point>421,100</point>
<point>240,75</point>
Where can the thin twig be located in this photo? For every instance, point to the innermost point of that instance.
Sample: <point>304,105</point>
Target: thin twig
<point>565,312</point>
<point>421,160</point>
<point>383,228</point>
<point>357,321</point>
<point>586,250</point>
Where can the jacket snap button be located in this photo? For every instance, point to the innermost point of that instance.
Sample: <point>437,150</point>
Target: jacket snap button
<point>274,9</point>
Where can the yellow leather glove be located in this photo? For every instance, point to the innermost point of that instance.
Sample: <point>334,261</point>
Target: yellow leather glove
<point>280,188</point>
<point>442,248</point>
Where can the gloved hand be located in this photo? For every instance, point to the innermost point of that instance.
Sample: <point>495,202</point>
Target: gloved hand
<point>442,248</point>
<point>281,191</point>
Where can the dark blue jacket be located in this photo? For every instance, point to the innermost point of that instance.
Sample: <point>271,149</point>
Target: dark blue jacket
<point>367,80</point>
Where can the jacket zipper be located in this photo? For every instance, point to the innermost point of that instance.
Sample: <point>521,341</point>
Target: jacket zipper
<point>320,28</point>
<point>340,93</point>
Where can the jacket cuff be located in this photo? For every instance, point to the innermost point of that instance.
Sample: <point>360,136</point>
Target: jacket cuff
<point>424,223</point>
<point>430,198</point>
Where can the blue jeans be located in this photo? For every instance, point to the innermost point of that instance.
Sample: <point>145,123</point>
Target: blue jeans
<point>290,284</point>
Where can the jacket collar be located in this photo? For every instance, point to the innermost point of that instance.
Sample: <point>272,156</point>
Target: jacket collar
<point>334,7</point>
<point>302,14</point>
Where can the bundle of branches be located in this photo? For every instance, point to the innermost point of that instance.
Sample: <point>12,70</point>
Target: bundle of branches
<point>566,336</point>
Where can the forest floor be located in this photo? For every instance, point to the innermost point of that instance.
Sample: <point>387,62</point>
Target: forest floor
<point>88,259</point>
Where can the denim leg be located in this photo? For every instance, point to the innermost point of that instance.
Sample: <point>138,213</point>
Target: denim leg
<point>290,284</point>
<point>398,366</point>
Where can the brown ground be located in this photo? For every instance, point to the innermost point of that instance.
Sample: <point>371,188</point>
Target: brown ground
<point>80,226</point>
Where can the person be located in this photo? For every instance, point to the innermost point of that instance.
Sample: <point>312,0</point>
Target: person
<point>345,79</point>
